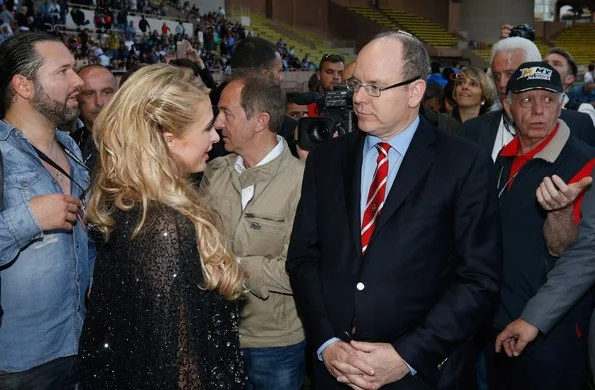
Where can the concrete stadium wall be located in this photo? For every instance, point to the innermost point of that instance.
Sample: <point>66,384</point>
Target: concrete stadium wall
<point>482,19</point>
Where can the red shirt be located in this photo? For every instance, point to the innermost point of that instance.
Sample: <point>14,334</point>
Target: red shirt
<point>513,148</point>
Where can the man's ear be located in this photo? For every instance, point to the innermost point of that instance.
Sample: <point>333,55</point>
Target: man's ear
<point>22,86</point>
<point>569,80</point>
<point>263,119</point>
<point>416,92</point>
<point>318,75</point>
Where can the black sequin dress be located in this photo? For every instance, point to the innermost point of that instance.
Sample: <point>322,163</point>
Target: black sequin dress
<point>149,325</point>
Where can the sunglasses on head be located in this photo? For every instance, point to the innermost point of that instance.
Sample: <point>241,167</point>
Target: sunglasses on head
<point>333,58</point>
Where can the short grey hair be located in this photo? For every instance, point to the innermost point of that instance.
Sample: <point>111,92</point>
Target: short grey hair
<point>531,51</point>
<point>416,61</point>
<point>262,94</point>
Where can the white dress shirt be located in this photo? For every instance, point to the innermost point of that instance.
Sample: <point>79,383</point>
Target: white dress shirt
<point>506,133</point>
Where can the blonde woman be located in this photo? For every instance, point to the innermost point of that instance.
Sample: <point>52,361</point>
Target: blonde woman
<point>163,312</point>
<point>474,94</point>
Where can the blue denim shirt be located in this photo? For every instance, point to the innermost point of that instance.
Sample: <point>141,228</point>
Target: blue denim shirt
<point>44,275</point>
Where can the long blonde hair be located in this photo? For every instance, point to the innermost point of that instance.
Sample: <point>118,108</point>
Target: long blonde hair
<point>136,167</point>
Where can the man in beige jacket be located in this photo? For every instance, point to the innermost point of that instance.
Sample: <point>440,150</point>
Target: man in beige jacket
<point>256,189</point>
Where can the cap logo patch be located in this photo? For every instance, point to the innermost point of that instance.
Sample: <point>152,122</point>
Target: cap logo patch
<point>536,73</point>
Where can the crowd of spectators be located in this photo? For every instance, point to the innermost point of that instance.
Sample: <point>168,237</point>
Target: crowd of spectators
<point>290,60</point>
<point>113,40</point>
<point>141,6</point>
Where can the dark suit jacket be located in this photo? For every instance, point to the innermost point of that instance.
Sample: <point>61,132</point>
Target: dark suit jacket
<point>432,268</point>
<point>483,129</point>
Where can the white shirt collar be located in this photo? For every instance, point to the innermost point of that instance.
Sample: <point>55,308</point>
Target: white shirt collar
<point>273,154</point>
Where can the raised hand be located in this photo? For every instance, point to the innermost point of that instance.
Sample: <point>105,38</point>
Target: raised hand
<point>553,194</point>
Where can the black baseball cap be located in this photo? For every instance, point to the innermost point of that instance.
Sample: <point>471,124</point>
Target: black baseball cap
<point>534,75</point>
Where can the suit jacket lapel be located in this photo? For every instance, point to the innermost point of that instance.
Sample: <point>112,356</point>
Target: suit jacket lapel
<point>352,167</point>
<point>487,136</point>
<point>417,160</point>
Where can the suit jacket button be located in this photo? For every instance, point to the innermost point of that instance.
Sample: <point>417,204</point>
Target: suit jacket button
<point>360,286</point>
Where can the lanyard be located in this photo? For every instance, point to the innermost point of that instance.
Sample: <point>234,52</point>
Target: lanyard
<point>48,160</point>
<point>71,154</point>
<point>502,189</point>
<point>507,126</point>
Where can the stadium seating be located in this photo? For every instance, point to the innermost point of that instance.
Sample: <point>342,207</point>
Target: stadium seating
<point>304,42</point>
<point>427,31</point>
<point>579,41</point>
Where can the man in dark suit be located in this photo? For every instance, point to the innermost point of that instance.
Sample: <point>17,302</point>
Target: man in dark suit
<point>494,130</point>
<point>395,253</point>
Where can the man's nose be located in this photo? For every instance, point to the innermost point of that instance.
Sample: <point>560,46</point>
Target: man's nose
<point>99,100</point>
<point>218,123</point>
<point>359,95</point>
<point>503,81</point>
<point>538,106</point>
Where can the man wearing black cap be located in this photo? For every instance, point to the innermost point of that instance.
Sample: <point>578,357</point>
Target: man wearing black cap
<point>493,130</point>
<point>531,352</point>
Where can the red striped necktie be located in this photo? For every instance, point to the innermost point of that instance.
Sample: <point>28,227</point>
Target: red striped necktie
<point>376,194</point>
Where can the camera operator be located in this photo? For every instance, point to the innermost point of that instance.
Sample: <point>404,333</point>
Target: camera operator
<point>296,111</point>
<point>329,75</point>
<point>330,72</point>
<point>522,30</point>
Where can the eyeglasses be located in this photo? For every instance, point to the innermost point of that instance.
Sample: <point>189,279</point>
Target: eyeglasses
<point>546,100</point>
<point>333,58</point>
<point>354,85</point>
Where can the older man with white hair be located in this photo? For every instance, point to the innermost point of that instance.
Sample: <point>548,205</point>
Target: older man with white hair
<point>492,131</point>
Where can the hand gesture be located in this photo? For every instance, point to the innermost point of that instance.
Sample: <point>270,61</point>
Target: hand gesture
<point>55,211</point>
<point>515,337</point>
<point>553,194</point>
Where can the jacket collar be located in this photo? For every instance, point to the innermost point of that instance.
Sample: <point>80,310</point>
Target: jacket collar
<point>551,151</point>
<point>260,173</point>
<point>5,130</point>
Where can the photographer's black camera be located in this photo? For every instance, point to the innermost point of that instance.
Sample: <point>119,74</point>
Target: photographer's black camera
<point>523,31</point>
<point>336,108</point>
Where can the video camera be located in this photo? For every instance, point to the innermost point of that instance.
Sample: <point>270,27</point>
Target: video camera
<point>523,31</point>
<point>337,115</point>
